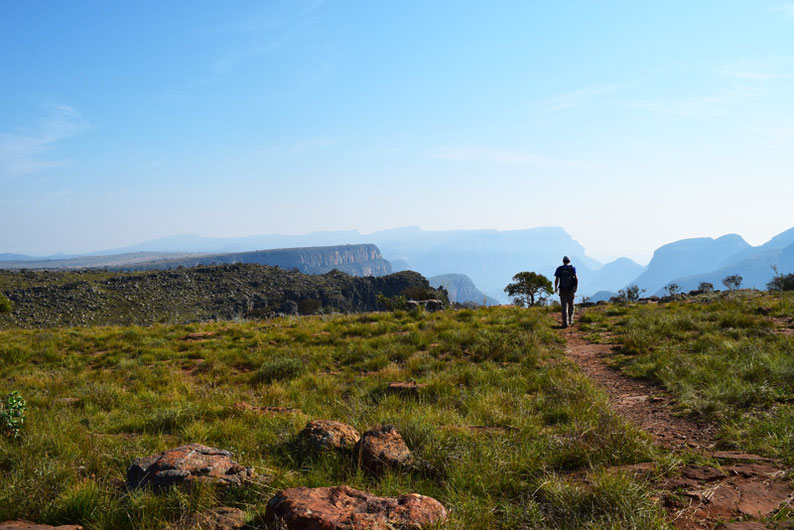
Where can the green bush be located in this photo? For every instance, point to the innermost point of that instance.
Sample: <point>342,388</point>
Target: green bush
<point>5,304</point>
<point>12,415</point>
<point>279,369</point>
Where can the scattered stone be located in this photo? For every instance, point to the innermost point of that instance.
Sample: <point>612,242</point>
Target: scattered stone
<point>343,507</point>
<point>383,447</point>
<point>242,405</point>
<point>193,462</point>
<point>26,525</point>
<point>407,387</point>
<point>222,518</point>
<point>327,435</point>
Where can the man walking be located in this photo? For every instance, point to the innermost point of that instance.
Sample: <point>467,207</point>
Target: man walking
<point>566,281</point>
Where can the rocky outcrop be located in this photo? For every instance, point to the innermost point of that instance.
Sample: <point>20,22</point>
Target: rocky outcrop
<point>343,507</point>
<point>223,292</point>
<point>188,463</point>
<point>327,435</point>
<point>383,447</point>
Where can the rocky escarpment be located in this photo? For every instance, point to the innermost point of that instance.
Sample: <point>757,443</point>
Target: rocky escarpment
<point>92,297</point>
<point>358,260</point>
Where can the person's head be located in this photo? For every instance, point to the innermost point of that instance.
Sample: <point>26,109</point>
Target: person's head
<point>566,260</point>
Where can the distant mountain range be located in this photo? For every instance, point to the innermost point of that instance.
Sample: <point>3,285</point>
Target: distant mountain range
<point>486,258</point>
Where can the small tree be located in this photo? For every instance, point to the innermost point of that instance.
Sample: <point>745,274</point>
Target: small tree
<point>630,294</point>
<point>706,287</point>
<point>529,288</point>
<point>732,281</point>
<point>672,289</point>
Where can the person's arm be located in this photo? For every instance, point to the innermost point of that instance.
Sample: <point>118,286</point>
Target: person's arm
<point>556,283</point>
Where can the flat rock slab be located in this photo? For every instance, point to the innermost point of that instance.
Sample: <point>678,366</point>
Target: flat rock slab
<point>343,507</point>
<point>26,525</point>
<point>192,462</point>
<point>222,518</point>
<point>328,435</point>
<point>747,489</point>
<point>383,447</point>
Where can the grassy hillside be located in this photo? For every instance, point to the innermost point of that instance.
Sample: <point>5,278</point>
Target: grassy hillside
<point>727,357</point>
<point>100,396</point>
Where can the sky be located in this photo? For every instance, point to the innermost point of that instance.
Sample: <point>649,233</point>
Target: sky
<point>628,123</point>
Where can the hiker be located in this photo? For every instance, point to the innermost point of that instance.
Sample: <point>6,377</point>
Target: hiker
<point>566,281</point>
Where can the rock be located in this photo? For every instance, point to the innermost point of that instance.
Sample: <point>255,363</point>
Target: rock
<point>434,305</point>
<point>26,525</point>
<point>747,525</point>
<point>242,405</point>
<point>193,462</point>
<point>327,435</point>
<point>222,518</point>
<point>343,507</point>
<point>383,447</point>
<point>407,387</point>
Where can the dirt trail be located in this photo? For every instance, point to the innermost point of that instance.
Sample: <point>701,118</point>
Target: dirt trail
<point>644,403</point>
<point>740,492</point>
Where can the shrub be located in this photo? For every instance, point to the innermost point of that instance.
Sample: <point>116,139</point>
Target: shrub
<point>393,303</point>
<point>309,306</point>
<point>783,282</point>
<point>706,287</point>
<point>12,415</point>
<point>279,369</point>
<point>5,304</point>
<point>732,281</point>
<point>672,289</point>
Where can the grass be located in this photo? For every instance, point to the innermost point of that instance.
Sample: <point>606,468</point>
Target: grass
<point>134,391</point>
<point>723,356</point>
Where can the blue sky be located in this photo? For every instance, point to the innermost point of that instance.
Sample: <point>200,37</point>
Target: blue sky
<point>630,124</point>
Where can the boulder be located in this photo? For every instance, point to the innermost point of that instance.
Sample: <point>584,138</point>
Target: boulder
<point>343,507</point>
<point>325,435</point>
<point>434,305</point>
<point>383,447</point>
<point>26,525</point>
<point>192,462</point>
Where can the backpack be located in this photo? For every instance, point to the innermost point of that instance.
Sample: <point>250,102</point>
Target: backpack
<point>568,278</point>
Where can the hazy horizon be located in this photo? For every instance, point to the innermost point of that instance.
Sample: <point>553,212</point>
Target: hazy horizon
<point>629,125</point>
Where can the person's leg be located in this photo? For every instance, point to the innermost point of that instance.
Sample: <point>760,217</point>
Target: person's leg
<point>564,304</point>
<point>571,308</point>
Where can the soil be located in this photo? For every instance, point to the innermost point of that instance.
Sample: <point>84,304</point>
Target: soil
<point>740,491</point>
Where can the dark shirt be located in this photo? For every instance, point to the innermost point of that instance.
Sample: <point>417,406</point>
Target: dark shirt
<point>558,272</point>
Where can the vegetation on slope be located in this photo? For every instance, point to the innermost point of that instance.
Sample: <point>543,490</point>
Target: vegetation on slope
<point>98,397</point>
<point>726,357</point>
